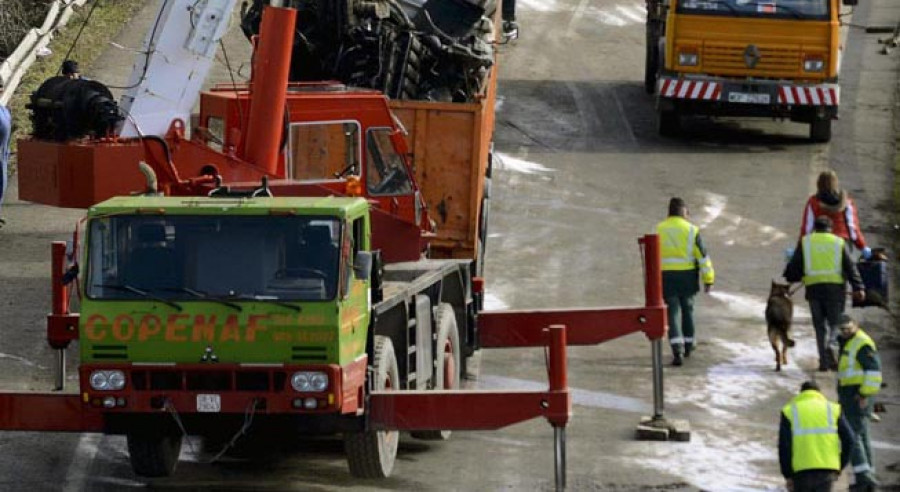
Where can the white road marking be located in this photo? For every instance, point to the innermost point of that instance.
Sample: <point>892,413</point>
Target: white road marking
<point>21,359</point>
<point>733,229</point>
<point>494,303</point>
<point>508,162</point>
<point>577,15</point>
<point>629,12</point>
<point>78,471</point>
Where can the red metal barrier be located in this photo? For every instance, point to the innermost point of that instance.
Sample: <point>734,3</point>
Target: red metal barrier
<point>62,326</point>
<point>478,410</point>
<point>54,412</point>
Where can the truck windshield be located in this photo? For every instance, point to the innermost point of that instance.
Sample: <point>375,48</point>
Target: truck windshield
<point>788,9</point>
<point>213,257</point>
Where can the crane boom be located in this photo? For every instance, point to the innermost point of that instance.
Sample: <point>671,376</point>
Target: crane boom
<point>177,55</point>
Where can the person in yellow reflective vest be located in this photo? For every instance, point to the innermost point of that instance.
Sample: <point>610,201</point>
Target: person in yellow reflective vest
<point>814,441</point>
<point>859,379</point>
<point>684,263</point>
<point>823,263</point>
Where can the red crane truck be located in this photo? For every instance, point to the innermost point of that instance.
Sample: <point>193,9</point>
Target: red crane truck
<point>253,296</point>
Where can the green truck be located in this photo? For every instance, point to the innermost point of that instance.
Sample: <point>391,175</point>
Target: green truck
<point>200,314</point>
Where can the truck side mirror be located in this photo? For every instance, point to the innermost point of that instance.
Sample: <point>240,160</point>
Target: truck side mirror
<point>362,265</point>
<point>851,3</point>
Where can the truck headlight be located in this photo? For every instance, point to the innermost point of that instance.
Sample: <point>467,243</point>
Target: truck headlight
<point>107,380</point>
<point>309,381</point>
<point>688,59</point>
<point>813,65</point>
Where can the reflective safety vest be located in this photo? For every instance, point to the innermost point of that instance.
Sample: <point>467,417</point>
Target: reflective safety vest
<point>678,248</point>
<point>851,372</point>
<point>822,259</point>
<point>815,443</point>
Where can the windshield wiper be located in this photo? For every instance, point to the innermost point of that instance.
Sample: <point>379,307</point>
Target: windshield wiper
<point>140,292</point>
<point>270,299</point>
<point>205,297</point>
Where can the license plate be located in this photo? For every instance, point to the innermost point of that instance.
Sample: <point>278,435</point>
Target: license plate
<point>749,98</point>
<point>209,403</point>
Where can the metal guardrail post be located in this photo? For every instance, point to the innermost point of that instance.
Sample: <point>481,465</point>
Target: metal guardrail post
<point>558,382</point>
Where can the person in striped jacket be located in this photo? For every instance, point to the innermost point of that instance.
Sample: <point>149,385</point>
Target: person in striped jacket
<point>833,202</point>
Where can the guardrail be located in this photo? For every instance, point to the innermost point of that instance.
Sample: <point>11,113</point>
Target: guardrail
<point>14,68</point>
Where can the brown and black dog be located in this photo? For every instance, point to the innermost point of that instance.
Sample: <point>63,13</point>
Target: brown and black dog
<point>779,314</point>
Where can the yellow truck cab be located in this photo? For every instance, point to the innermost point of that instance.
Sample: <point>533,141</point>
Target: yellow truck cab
<point>769,58</point>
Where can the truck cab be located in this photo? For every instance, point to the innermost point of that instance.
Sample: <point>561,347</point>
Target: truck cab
<point>769,58</point>
<point>204,306</point>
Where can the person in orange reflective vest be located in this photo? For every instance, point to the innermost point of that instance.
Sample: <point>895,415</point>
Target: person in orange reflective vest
<point>815,441</point>
<point>684,263</point>
<point>833,202</point>
<point>822,262</point>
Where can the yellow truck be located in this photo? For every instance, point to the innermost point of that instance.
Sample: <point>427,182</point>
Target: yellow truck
<point>768,58</point>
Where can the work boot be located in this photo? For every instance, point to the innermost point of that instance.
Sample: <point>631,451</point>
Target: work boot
<point>865,482</point>
<point>688,348</point>
<point>510,30</point>
<point>677,361</point>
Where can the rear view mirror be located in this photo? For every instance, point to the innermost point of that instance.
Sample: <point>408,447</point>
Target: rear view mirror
<point>362,265</point>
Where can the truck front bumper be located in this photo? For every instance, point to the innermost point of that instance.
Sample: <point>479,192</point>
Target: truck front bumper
<point>727,97</point>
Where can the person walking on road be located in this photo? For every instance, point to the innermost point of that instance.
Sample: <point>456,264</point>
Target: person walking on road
<point>833,202</point>
<point>5,135</point>
<point>822,262</point>
<point>815,441</point>
<point>859,379</point>
<point>684,263</point>
<point>510,26</point>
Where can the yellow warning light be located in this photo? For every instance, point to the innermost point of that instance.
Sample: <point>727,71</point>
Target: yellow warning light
<point>330,398</point>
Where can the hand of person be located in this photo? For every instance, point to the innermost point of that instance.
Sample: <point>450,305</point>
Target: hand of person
<point>859,295</point>
<point>863,402</point>
<point>789,484</point>
<point>866,253</point>
<point>707,288</point>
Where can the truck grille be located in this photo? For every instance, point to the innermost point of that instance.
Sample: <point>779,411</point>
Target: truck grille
<point>110,352</point>
<point>774,62</point>
<point>208,380</point>
<point>309,353</point>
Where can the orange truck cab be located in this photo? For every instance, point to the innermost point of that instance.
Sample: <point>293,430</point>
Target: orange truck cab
<point>769,58</point>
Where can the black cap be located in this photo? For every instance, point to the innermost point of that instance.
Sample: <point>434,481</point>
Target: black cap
<point>822,223</point>
<point>845,320</point>
<point>70,67</point>
<point>810,385</point>
<point>676,206</point>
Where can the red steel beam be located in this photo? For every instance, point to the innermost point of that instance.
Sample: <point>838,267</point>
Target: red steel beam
<point>464,409</point>
<point>499,329</point>
<point>55,412</point>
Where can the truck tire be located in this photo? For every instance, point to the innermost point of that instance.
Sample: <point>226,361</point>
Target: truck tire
<point>446,363</point>
<point>651,59</point>
<point>371,454</point>
<point>820,130</point>
<point>153,455</point>
<point>483,222</point>
<point>669,123</point>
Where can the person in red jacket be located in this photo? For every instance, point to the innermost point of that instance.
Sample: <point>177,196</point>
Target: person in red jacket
<point>833,202</point>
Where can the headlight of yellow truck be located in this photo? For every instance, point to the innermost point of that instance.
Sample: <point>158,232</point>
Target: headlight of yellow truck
<point>813,64</point>
<point>688,58</point>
